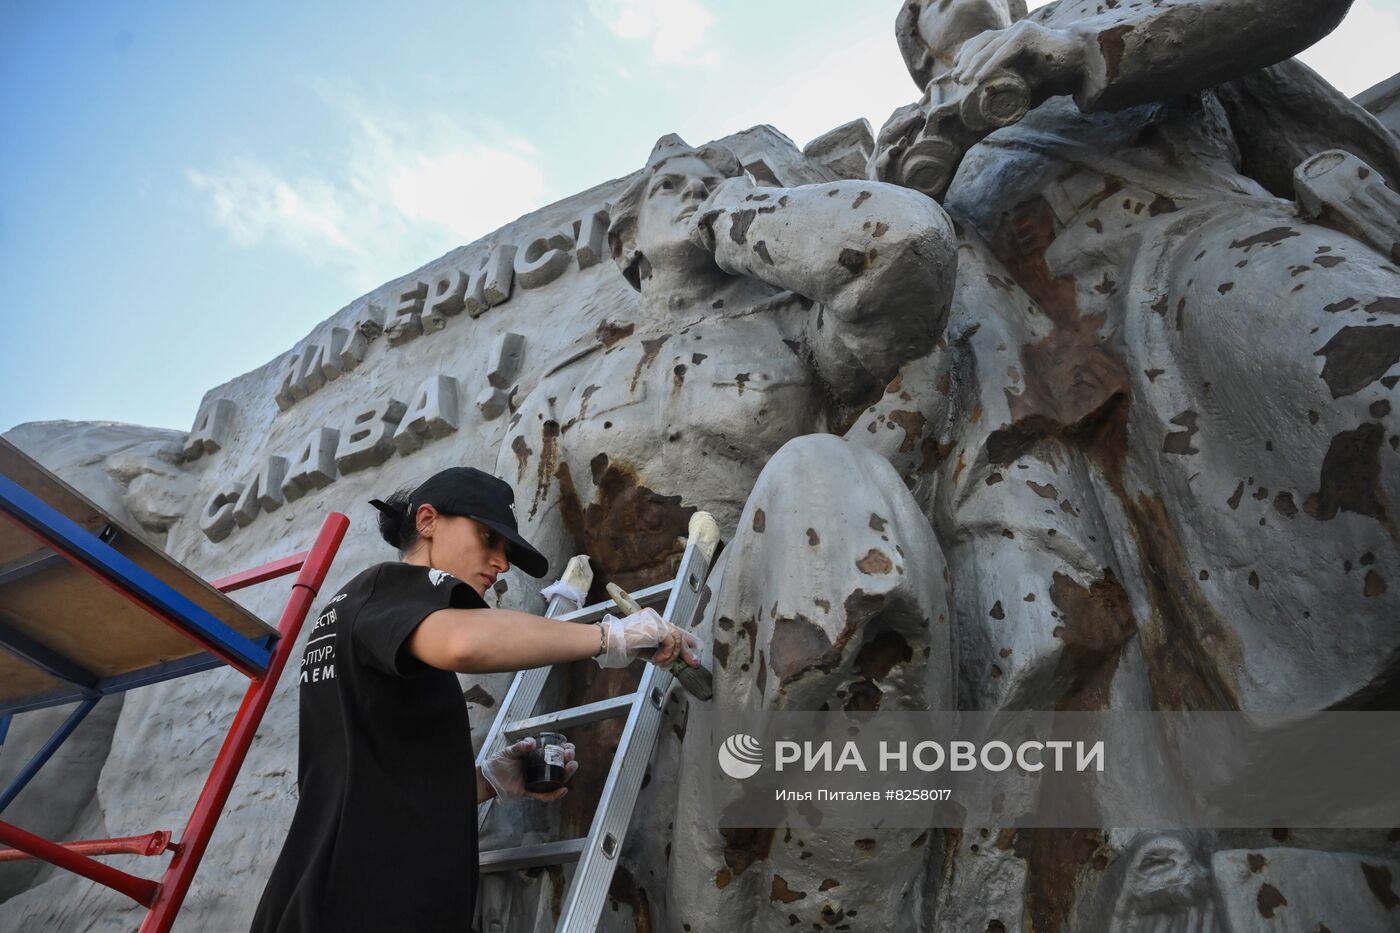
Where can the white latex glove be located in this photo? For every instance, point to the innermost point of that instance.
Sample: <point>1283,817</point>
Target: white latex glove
<point>644,635</point>
<point>505,771</point>
<point>559,588</point>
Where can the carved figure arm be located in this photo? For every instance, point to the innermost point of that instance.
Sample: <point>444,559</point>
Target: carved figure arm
<point>1138,52</point>
<point>878,260</point>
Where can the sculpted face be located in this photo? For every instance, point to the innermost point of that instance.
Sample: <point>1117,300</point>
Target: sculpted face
<point>944,25</point>
<point>673,194</point>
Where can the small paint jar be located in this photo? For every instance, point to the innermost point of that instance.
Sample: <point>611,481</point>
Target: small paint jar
<point>544,768</point>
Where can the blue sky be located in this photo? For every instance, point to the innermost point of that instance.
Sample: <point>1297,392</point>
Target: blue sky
<point>187,188</point>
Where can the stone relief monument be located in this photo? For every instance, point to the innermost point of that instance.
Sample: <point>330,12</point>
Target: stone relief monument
<point>1072,391</point>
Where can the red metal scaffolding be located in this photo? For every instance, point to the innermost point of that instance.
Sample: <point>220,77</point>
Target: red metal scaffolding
<point>261,662</point>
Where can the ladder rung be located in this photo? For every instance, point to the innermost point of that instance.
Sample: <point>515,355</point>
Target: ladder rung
<point>651,596</point>
<point>565,719</point>
<point>546,853</point>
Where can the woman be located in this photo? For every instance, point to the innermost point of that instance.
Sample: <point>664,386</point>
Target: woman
<point>384,835</point>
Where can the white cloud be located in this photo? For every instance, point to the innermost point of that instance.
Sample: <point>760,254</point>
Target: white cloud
<point>676,30</point>
<point>1361,51</point>
<point>397,192</point>
<point>858,76</point>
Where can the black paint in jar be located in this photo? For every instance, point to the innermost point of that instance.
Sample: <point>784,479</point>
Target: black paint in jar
<point>544,767</point>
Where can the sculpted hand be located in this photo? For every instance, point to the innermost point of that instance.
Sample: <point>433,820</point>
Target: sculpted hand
<point>1050,61</point>
<point>727,195</point>
<point>505,771</point>
<point>645,635</point>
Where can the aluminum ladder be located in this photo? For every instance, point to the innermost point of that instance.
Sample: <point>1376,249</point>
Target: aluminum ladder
<point>596,853</point>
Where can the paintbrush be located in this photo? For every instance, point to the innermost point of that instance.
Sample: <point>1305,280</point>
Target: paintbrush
<point>704,534</point>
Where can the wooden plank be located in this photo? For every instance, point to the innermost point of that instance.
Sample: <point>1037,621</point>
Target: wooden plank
<point>18,680</point>
<point>74,613</point>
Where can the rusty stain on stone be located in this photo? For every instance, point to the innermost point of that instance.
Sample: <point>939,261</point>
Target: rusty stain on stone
<point>744,846</point>
<point>522,456</point>
<point>1055,861</point>
<point>630,532</point>
<point>797,644</point>
<point>875,561</point>
<point>649,350</point>
<point>1268,900</point>
<point>721,653</point>
<point>1357,356</point>
<point>624,889</point>
<point>1189,651</point>
<point>1179,442</point>
<point>1112,44</point>
<point>879,655</point>
<point>1378,879</point>
<point>549,461</point>
<point>781,891</point>
<point>1239,493</point>
<point>1375,584</point>
<point>853,260</point>
<point>478,695</point>
<point>1351,478</point>
<point>1271,237</point>
<point>1044,490</point>
<point>913,424</point>
<point>1096,624</point>
<point>739,224</point>
<point>610,332</point>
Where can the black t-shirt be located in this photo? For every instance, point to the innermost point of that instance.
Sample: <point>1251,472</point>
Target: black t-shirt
<point>384,835</point>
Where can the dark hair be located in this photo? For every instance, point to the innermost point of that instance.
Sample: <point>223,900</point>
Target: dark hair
<point>397,523</point>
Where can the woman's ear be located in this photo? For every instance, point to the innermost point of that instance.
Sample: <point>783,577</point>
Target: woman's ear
<point>426,520</point>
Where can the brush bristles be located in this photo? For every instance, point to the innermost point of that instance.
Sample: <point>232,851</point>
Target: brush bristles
<point>697,681</point>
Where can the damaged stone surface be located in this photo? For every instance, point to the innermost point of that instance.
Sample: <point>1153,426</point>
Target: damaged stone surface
<point>1111,428</point>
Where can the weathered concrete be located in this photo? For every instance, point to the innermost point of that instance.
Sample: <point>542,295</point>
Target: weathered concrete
<point>1122,438</point>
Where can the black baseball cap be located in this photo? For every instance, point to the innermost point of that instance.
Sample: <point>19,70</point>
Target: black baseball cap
<point>476,494</point>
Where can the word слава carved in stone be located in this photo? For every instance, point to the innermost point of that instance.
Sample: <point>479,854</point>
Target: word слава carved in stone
<point>314,467</point>
<point>506,360</point>
<point>211,428</point>
<point>432,415</point>
<point>217,519</point>
<point>369,440</point>
<point>262,492</point>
